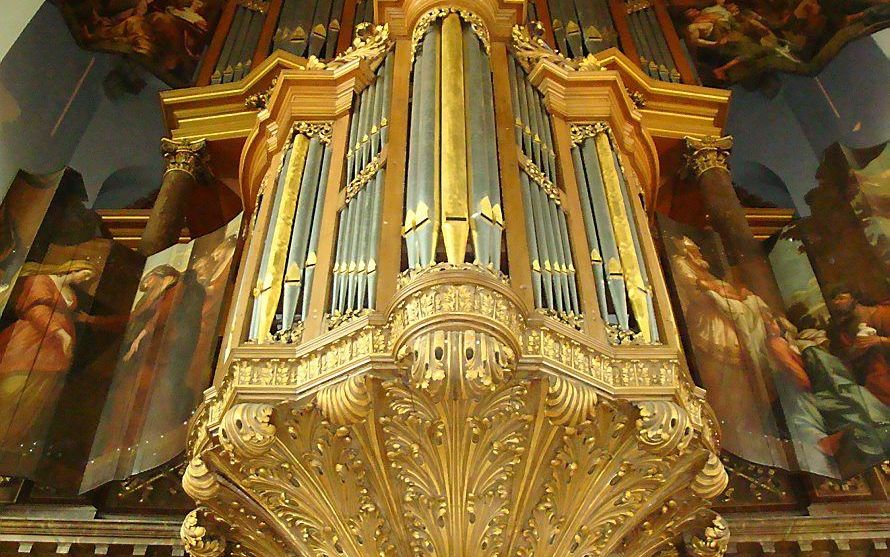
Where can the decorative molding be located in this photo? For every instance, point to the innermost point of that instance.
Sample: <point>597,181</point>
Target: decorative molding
<point>538,176</point>
<point>364,176</point>
<point>322,131</point>
<point>706,153</point>
<point>186,156</point>
<point>258,101</point>
<point>427,19</point>
<point>580,132</point>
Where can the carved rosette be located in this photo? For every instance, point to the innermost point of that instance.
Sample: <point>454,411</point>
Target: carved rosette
<point>464,430</point>
<point>186,156</point>
<point>706,153</point>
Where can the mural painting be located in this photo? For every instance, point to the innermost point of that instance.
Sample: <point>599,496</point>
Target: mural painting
<point>62,319</point>
<point>165,360</point>
<point>166,36</point>
<point>738,41</point>
<point>805,386</point>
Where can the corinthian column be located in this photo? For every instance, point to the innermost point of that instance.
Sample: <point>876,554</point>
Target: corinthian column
<point>186,167</point>
<point>707,160</point>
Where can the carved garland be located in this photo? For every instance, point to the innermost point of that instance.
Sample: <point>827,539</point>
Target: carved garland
<point>321,131</point>
<point>427,19</point>
<point>529,48</point>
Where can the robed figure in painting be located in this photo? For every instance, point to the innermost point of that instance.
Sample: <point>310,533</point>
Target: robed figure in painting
<point>726,329</point>
<point>37,350</point>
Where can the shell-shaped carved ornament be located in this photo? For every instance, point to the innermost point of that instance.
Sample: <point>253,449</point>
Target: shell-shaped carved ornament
<point>247,430</point>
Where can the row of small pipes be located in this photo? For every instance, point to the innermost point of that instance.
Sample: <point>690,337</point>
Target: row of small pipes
<point>582,27</point>
<point>453,185</point>
<point>355,263</point>
<point>622,282</point>
<point>236,58</point>
<point>553,272</point>
<point>287,263</point>
<point>655,54</point>
<point>309,27</point>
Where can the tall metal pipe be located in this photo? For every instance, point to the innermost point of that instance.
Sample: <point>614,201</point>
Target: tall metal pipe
<point>312,250</point>
<point>590,228</point>
<point>531,237</point>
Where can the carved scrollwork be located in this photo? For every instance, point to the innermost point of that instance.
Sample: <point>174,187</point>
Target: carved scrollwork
<point>568,402</point>
<point>711,480</point>
<point>529,47</point>
<point>580,132</point>
<point>465,361</point>
<point>427,19</point>
<point>247,430</point>
<point>714,540</point>
<point>664,427</point>
<point>345,402</point>
<point>198,481</point>
<point>196,538</point>
<point>371,43</point>
<point>321,131</point>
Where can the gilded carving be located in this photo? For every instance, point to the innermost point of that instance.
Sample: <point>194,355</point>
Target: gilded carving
<point>364,176</point>
<point>186,156</point>
<point>529,47</point>
<point>318,130</point>
<point>703,154</point>
<point>198,481</point>
<point>580,132</point>
<point>427,19</point>
<point>539,178</point>
<point>455,424</point>
<point>197,540</point>
<point>664,427</point>
<point>371,43</point>
<point>247,429</point>
<point>713,542</point>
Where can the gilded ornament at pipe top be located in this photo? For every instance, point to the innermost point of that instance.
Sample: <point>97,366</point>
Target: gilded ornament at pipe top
<point>529,48</point>
<point>427,19</point>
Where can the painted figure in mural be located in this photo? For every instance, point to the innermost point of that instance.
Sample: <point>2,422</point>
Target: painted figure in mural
<point>726,328</point>
<point>823,404</point>
<point>739,40</point>
<point>861,333</point>
<point>169,35</point>
<point>37,350</point>
<point>741,35</point>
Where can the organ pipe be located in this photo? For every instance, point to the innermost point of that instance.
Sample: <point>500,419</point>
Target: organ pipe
<point>623,288</point>
<point>452,184</point>
<point>354,271</point>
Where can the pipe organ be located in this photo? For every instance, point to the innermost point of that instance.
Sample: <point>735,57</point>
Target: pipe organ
<point>452,189</point>
<point>355,264</point>
<point>582,27</point>
<point>309,27</point>
<point>287,263</point>
<point>650,41</point>
<point>622,284</point>
<point>236,58</point>
<point>449,334</point>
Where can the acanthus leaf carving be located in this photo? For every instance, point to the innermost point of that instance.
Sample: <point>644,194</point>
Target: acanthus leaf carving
<point>197,539</point>
<point>247,430</point>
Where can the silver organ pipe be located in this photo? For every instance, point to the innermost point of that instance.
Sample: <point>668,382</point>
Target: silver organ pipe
<point>354,278</point>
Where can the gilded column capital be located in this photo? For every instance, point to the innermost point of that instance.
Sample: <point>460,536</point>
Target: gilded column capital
<point>186,156</point>
<point>707,152</point>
